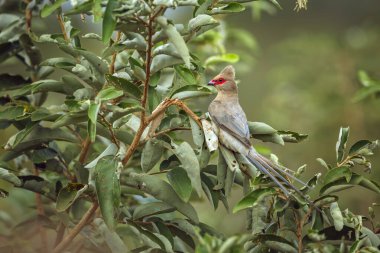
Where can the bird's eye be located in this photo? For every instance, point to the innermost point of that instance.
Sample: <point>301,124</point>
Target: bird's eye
<point>220,80</point>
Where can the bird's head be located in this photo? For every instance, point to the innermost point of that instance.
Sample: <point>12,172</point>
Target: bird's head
<point>225,80</point>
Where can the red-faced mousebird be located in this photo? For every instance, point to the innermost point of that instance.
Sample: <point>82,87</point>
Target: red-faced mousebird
<point>233,132</point>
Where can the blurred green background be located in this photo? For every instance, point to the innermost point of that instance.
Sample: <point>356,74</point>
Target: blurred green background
<point>302,76</point>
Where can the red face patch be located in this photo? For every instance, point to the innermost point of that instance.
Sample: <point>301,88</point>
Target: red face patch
<point>218,81</point>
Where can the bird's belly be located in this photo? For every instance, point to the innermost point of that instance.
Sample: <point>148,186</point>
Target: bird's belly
<point>232,143</point>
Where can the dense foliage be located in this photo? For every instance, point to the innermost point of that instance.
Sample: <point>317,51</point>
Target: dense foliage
<point>120,131</point>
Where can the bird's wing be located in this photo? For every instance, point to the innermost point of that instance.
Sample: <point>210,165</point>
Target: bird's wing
<point>232,120</point>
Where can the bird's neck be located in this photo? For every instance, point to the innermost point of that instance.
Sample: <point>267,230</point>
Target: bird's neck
<point>227,96</point>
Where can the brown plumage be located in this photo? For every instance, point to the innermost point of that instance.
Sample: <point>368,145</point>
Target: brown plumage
<point>233,132</point>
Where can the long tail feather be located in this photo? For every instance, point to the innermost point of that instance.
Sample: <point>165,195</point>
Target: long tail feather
<point>259,166</point>
<point>280,176</point>
<point>268,168</point>
<point>283,170</point>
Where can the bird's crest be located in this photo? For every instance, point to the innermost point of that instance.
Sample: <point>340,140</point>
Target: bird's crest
<point>228,72</point>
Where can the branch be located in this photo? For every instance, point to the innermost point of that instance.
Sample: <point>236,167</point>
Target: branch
<point>73,233</point>
<point>189,112</point>
<point>135,142</point>
<point>85,148</point>
<point>109,126</point>
<point>112,65</point>
<point>28,16</point>
<point>63,29</point>
<point>148,59</point>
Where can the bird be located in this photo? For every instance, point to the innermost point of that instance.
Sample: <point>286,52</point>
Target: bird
<point>231,127</point>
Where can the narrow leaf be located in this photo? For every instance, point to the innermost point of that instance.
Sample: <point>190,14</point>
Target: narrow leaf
<point>252,198</point>
<point>181,183</point>
<point>109,23</point>
<point>107,189</point>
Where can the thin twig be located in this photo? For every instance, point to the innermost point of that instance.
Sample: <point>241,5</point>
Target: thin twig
<point>189,112</point>
<point>28,16</point>
<point>63,29</point>
<point>41,212</point>
<point>170,130</point>
<point>109,126</point>
<point>135,142</point>
<point>159,172</point>
<point>148,59</point>
<point>113,60</point>
<point>73,233</point>
<point>85,148</point>
<point>300,225</point>
<point>75,133</point>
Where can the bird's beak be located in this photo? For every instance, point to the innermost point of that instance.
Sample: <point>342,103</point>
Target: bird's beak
<point>212,83</point>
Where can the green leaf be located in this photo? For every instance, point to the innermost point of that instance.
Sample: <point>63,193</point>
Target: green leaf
<point>150,209</point>
<point>323,163</point>
<point>9,177</point>
<point>260,128</point>
<point>32,52</point>
<point>275,3</point>
<point>112,239</point>
<point>10,82</point>
<point>181,183</point>
<point>162,61</point>
<point>48,9</point>
<point>358,146</point>
<point>190,163</point>
<point>366,92</point>
<point>201,20</point>
<point>275,242</point>
<point>211,194</point>
<point>337,173</point>
<point>198,136</point>
<point>107,189</point>
<point>190,91</point>
<point>221,172</point>
<point>93,111</point>
<point>109,23</point>
<point>293,137</point>
<point>109,93</point>
<point>341,184</point>
<point>111,150</point>
<point>59,62</point>
<point>35,135</point>
<point>325,200</point>
<point>252,198</point>
<point>68,195</point>
<point>341,143</point>
<point>80,8</point>
<point>229,8</point>
<point>365,80</point>
<point>229,157</point>
<point>97,10</point>
<point>12,112</point>
<point>163,191</point>
<point>224,58</point>
<point>43,154</point>
<point>186,74</point>
<point>337,216</point>
<point>151,154</point>
<point>123,83</point>
<point>175,38</point>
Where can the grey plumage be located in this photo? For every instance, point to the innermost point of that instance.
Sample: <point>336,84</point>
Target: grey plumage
<point>233,132</point>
